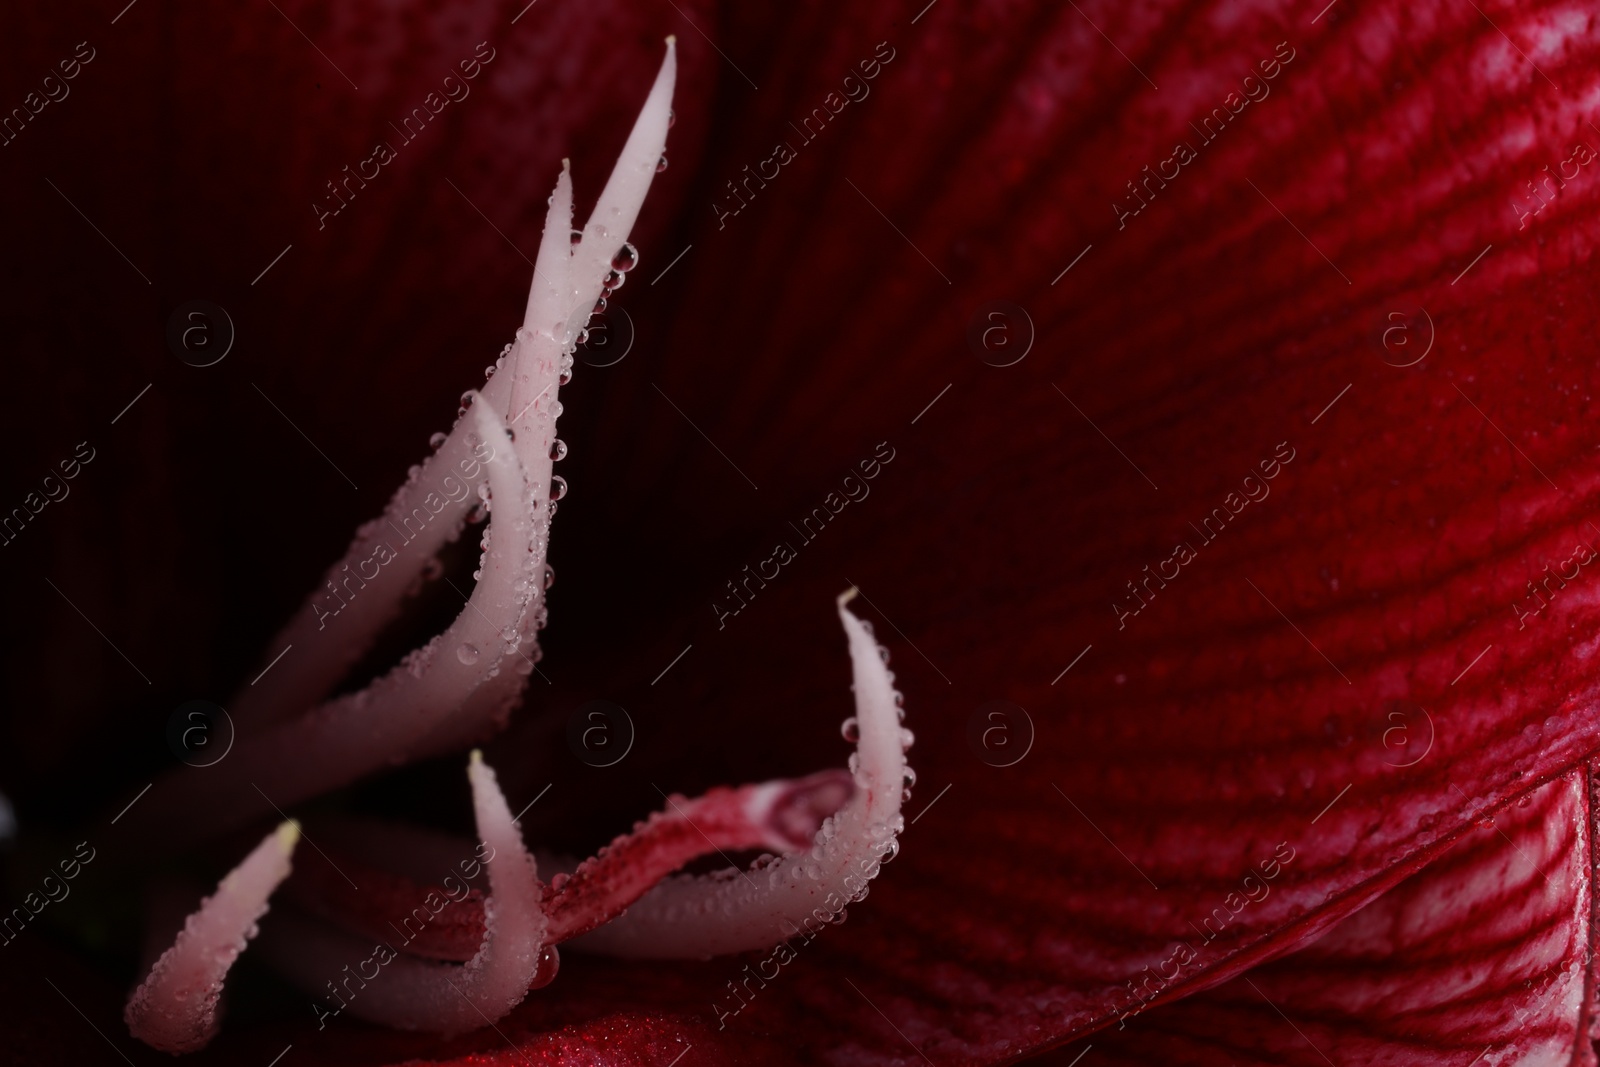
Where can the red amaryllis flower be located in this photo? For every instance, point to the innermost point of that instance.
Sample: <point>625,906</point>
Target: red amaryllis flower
<point>1223,371</point>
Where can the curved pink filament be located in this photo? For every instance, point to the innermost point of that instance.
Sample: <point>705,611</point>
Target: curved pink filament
<point>175,1008</point>
<point>379,983</point>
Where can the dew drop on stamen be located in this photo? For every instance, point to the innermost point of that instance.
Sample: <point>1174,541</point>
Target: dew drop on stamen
<point>466,399</point>
<point>599,307</point>
<point>850,729</point>
<point>558,487</point>
<point>488,372</point>
<point>626,259</point>
<point>437,439</point>
<point>545,971</point>
<point>549,576</point>
<point>661,164</point>
<point>558,450</point>
<point>613,280</point>
<point>468,654</point>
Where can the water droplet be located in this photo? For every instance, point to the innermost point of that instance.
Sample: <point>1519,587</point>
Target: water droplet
<point>910,778</point>
<point>577,238</point>
<point>661,164</point>
<point>613,280</point>
<point>672,118</point>
<point>907,738</point>
<point>437,439</point>
<point>483,492</point>
<point>564,378</point>
<point>850,729</point>
<point>545,971</point>
<point>558,450</point>
<point>599,307</point>
<point>549,576</point>
<point>466,398</point>
<point>558,487</point>
<point>488,372</point>
<point>467,654</point>
<point>626,259</point>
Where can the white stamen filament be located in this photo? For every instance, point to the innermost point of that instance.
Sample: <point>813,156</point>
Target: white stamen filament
<point>289,749</point>
<point>413,994</point>
<point>566,281</point>
<point>175,1008</point>
<point>699,916</point>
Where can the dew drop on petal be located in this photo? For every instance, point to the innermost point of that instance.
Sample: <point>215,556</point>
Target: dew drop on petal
<point>577,238</point>
<point>850,729</point>
<point>672,118</point>
<point>436,440</point>
<point>558,449</point>
<point>661,164</point>
<point>467,654</point>
<point>626,259</point>
<point>558,487</point>
<point>549,576</point>
<point>613,280</point>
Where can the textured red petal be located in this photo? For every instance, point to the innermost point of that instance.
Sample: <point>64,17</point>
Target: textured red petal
<point>1485,954</point>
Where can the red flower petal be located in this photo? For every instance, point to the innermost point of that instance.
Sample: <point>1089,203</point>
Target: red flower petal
<point>1393,550</point>
<point>1484,953</point>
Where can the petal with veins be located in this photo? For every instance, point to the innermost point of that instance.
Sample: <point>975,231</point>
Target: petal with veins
<point>175,1007</point>
<point>413,994</point>
<point>710,915</point>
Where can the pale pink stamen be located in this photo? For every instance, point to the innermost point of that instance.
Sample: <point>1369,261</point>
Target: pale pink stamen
<point>780,816</point>
<point>428,705</point>
<point>175,1008</point>
<point>694,917</point>
<point>412,994</point>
